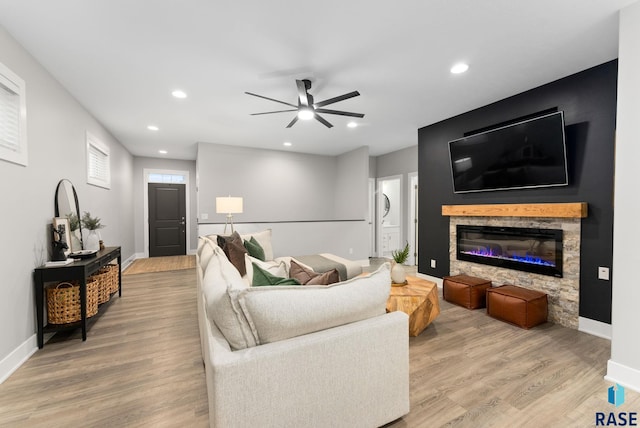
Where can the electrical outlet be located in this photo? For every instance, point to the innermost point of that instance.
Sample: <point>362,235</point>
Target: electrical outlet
<point>204,216</point>
<point>603,273</point>
<point>350,250</point>
<point>433,263</point>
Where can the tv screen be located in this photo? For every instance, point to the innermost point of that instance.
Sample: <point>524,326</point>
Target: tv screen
<point>530,153</point>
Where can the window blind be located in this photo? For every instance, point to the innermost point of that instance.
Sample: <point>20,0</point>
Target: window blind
<point>9,118</point>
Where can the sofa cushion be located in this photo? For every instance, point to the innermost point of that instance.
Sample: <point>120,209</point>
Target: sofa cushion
<point>264,239</point>
<point>263,277</point>
<point>205,253</point>
<point>278,313</point>
<point>254,248</point>
<point>234,249</point>
<point>221,277</point>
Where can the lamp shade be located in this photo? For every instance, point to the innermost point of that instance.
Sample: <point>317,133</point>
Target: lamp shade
<point>228,205</point>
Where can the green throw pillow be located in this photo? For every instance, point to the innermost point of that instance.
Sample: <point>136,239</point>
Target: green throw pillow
<point>254,248</point>
<point>262,277</point>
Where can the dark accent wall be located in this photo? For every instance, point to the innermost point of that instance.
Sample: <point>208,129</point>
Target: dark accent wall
<point>588,100</point>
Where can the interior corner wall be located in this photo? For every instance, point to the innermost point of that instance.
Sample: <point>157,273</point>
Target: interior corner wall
<point>56,138</point>
<point>624,365</point>
<point>588,100</point>
<point>324,196</point>
<point>401,162</point>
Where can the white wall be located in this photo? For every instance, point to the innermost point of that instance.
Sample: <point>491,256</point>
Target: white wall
<point>624,365</point>
<point>56,128</point>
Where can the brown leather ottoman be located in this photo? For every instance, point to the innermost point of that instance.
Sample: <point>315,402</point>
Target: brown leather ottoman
<point>466,291</point>
<point>516,305</point>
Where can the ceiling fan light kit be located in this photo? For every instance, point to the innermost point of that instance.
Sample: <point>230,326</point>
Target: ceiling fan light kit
<point>307,109</point>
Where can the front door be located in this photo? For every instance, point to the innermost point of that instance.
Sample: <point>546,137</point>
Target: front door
<point>167,225</point>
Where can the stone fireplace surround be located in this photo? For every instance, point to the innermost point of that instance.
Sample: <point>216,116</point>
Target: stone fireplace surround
<point>563,293</point>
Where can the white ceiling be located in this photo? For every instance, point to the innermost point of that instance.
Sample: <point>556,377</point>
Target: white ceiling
<point>121,59</point>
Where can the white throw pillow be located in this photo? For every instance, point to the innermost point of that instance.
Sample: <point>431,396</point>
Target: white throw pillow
<point>273,267</point>
<point>280,312</point>
<point>219,279</point>
<point>264,239</point>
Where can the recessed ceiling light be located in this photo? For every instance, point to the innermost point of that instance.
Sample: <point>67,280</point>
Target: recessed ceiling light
<point>286,144</point>
<point>352,125</point>
<point>152,128</point>
<point>179,94</point>
<point>162,152</point>
<point>461,67</point>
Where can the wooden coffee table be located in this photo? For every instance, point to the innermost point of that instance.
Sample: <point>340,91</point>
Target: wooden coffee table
<point>418,299</point>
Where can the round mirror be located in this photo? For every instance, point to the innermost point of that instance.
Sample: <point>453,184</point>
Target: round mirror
<point>66,206</point>
<point>387,205</point>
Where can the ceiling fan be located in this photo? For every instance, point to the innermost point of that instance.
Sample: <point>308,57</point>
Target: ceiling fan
<point>307,108</point>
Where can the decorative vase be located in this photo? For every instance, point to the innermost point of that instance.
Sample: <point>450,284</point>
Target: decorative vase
<point>76,245</point>
<point>93,241</point>
<point>398,275</point>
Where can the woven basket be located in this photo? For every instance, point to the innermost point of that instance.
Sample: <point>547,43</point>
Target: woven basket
<point>63,302</point>
<point>104,278</point>
<point>114,270</point>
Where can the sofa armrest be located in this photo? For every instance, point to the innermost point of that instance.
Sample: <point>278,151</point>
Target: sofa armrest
<point>351,375</point>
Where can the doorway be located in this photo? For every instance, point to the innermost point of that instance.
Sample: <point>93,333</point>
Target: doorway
<point>389,219</point>
<point>170,196</point>
<point>167,220</point>
<point>412,232</point>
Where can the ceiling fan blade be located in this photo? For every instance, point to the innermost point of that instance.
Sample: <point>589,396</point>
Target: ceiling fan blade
<point>302,93</point>
<point>270,112</point>
<point>336,99</point>
<point>322,121</point>
<point>341,113</point>
<point>271,99</point>
<point>295,119</point>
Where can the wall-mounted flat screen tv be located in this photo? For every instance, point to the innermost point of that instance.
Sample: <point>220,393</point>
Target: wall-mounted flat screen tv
<point>525,154</point>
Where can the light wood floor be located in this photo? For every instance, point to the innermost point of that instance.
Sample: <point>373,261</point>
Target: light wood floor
<point>141,367</point>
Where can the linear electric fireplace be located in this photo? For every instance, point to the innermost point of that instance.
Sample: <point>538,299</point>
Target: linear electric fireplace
<point>526,249</point>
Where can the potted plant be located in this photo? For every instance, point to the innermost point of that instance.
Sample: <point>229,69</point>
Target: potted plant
<point>92,224</point>
<point>74,226</point>
<point>398,275</point>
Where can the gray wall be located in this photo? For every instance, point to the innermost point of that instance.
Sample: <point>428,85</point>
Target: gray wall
<point>401,162</point>
<point>309,197</point>
<point>139,165</point>
<point>56,128</point>
<point>351,187</point>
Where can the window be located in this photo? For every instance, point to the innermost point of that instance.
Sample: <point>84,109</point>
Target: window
<point>166,178</point>
<point>13,118</point>
<point>98,165</point>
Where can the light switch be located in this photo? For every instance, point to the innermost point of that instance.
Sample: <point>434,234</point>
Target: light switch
<point>204,216</point>
<point>603,273</point>
<point>433,263</point>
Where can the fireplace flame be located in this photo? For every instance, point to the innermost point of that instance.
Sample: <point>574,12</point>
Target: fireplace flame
<point>529,259</point>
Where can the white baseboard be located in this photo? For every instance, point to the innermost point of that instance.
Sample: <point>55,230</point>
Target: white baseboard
<point>595,328</point>
<point>623,375</point>
<point>17,357</point>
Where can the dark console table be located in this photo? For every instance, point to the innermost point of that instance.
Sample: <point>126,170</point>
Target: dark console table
<point>79,270</point>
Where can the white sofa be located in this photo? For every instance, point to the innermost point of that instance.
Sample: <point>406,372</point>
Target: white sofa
<point>300,356</point>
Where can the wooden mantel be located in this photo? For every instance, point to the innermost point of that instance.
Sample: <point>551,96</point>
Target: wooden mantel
<point>559,210</point>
